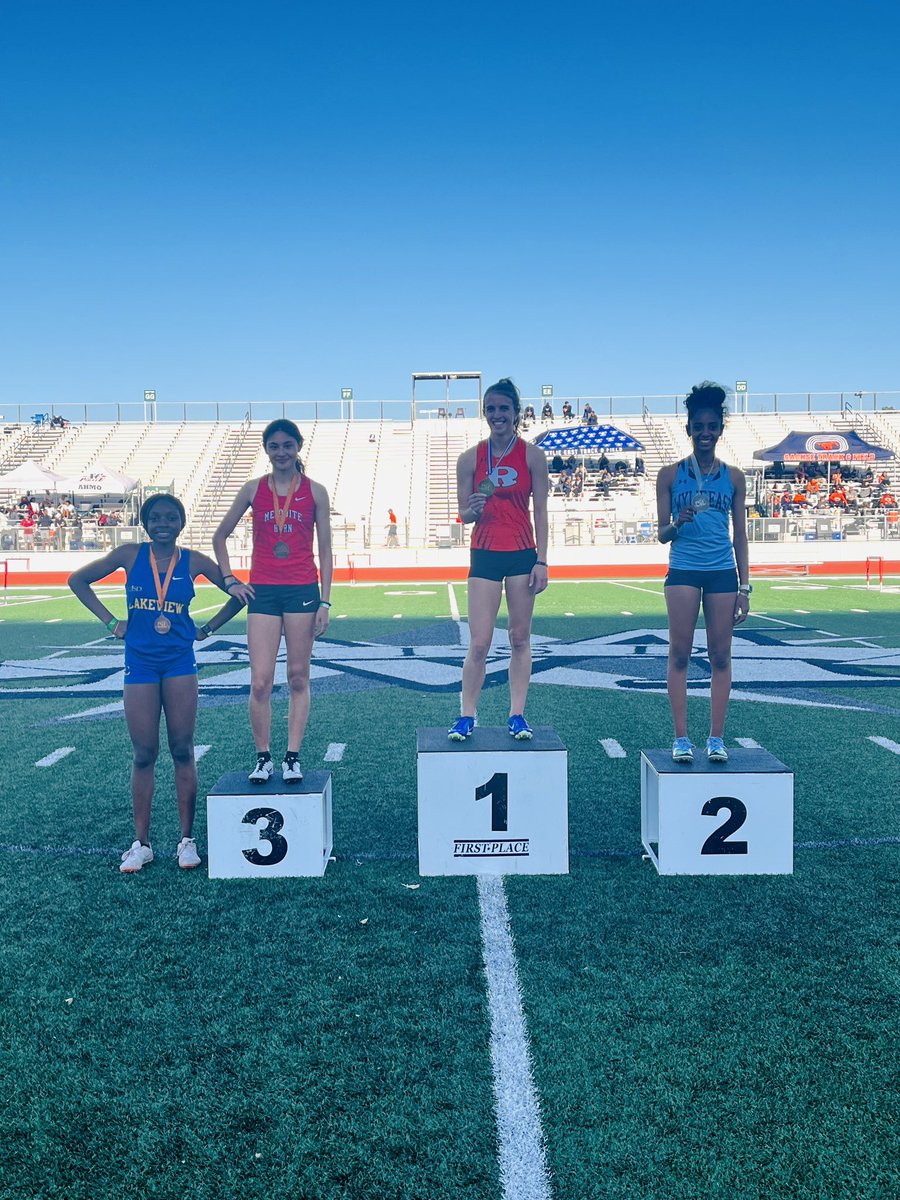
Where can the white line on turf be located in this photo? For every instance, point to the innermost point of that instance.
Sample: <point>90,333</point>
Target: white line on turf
<point>612,748</point>
<point>886,743</point>
<point>199,751</point>
<point>116,706</point>
<point>634,587</point>
<point>54,621</point>
<point>523,1164</point>
<point>335,751</point>
<point>56,755</point>
<point>748,743</point>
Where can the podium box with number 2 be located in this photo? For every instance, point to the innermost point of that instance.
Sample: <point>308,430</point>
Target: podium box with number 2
<point>703,818</point>
<point>268,831</point>
<point>492,805</point>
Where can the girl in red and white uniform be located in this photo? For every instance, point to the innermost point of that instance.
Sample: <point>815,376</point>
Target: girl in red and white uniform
<point>283,595</point>
<point>498,481</point>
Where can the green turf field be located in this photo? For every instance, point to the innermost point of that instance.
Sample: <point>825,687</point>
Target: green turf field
<point>167,1035</point>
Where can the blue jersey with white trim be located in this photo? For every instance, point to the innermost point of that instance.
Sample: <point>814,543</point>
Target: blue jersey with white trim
<point>143,607</point>
<point>703,544</point>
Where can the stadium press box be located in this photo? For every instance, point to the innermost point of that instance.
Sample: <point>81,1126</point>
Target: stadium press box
<point>271,830</point>
<point>703,818</point>
<point>492,805</point>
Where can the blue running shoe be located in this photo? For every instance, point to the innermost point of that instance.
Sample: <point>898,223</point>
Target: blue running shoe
<point>519,728</point>
<point>461,729</point>
<point>682,750</point>
<point>715,750</point>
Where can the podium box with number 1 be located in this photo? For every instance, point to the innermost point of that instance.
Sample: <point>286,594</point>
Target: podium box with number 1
<point>703,818</point>
<point>492,805</point>
<point>269,831</point>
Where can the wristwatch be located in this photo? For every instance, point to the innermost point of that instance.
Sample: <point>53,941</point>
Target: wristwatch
<point>746,588</point>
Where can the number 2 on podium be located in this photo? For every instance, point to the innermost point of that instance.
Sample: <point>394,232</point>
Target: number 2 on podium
<point>496,788</point>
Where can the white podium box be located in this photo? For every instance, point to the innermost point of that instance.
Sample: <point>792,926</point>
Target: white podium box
<point>703,818</point>
<point>492,805</point>
<point>270,830</point>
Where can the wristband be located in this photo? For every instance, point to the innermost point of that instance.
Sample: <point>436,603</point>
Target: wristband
<point>206,629</point>
<point>324,604</point>
<point>229,586</point>
<point>539,562</point>
<point>112,624</point>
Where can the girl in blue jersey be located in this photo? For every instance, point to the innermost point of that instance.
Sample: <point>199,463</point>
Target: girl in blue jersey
<point>160,668</point>
<point>701,511</point>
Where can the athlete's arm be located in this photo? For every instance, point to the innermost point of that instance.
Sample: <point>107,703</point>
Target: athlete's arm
<point>326,558</point>
<point>201,564</point>
<point>666,528</point>
<point>80,582</point>
<point>227,526</point>
<point>739,538</point>
<point>469,501</point>
<point>540,490</point>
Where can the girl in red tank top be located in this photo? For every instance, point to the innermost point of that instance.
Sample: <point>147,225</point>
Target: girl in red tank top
<point>496,482</point>
<point>290,510</point>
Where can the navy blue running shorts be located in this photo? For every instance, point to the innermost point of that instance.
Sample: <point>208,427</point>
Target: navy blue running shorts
<point>276,599</point>
<point>150,668</point>
<point>498,564</point>
<point>706,581</point>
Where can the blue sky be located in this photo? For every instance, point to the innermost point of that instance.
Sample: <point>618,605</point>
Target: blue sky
<point>273,201</point>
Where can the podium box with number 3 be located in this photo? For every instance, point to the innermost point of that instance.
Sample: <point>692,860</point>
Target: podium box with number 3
<point>703,818</point>
<point>268,831</point>
<point>492,805</point>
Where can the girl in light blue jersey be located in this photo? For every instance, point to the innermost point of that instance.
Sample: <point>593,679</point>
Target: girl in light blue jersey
<point>701,512</point>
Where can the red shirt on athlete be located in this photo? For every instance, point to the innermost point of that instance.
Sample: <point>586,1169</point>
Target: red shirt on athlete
<point>505,521</point>
<point>299,525</point>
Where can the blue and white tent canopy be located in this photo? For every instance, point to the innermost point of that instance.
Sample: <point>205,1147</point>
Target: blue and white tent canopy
<point>600,438</point>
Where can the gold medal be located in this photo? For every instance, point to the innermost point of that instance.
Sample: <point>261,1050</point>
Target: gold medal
<point>281,550</point>
<point>162,624</point>
<point>487,487</point>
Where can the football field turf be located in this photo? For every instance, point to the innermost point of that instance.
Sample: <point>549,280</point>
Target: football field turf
<point>167,1035</point>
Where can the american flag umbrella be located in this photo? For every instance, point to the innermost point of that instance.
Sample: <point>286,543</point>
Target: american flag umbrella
<point>588,437</point>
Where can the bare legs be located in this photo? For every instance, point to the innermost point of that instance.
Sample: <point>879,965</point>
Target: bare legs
<point>484,604</point>
<point>263,640</point>
<point>683,604</point>
<point>144,703</point>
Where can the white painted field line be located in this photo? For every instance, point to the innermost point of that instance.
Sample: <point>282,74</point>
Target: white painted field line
<point>199,751</point>
<point>626,613</point>
<point>778,621</point>
<point>116,706</point>
<point>634,587</point>
<point>748,743</point>
<point>886,743</point>
<point>523,1164</point>
<point>56,755</point>
<point>54,621</point>
<point>612,748</point>
<point>335,751</point>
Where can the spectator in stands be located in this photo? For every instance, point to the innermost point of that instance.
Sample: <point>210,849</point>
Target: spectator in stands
<point>838,497</point>
<point>283,594</point>
<point>697,498</point>
<point>547,413</point>
<point>160,668</point>
<point>495,481</point>
<point>27,525</point>
<point>639,468</point>
<point>567,411</point>
<point>787,501</point>
<point>528,416</point>
<point>588,416</point>
<point>887,501</point>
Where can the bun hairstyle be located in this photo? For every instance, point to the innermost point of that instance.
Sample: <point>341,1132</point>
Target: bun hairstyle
<point>283,425</point>
<point>151,501</point>
<point>507,388</point>
<point>707,395</point>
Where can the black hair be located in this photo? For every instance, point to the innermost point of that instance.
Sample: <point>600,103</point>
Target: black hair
<point>507,388</point>
<point>283,425</point>
<point>153,500</point>
<point>707,395</point>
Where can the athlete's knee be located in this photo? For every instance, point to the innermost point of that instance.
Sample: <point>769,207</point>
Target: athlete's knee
<point>181,749</point>
<point>260,690</point>
<point>298,682</point>
<point>144,755</point>
<point>720,660</point>
<point>478,650</point>
<point>679,657</point>
<point>520,637</point>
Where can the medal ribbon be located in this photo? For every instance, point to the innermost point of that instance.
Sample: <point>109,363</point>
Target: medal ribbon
<point>490,455</point>
<point>698,474</point>
<point>162,588</point>
<point>281,513</point>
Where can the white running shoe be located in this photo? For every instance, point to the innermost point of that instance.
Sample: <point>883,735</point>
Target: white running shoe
<point>187,853</point>
<point>264,769</point>
<point>135,857</point>
<point>290,768</point>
